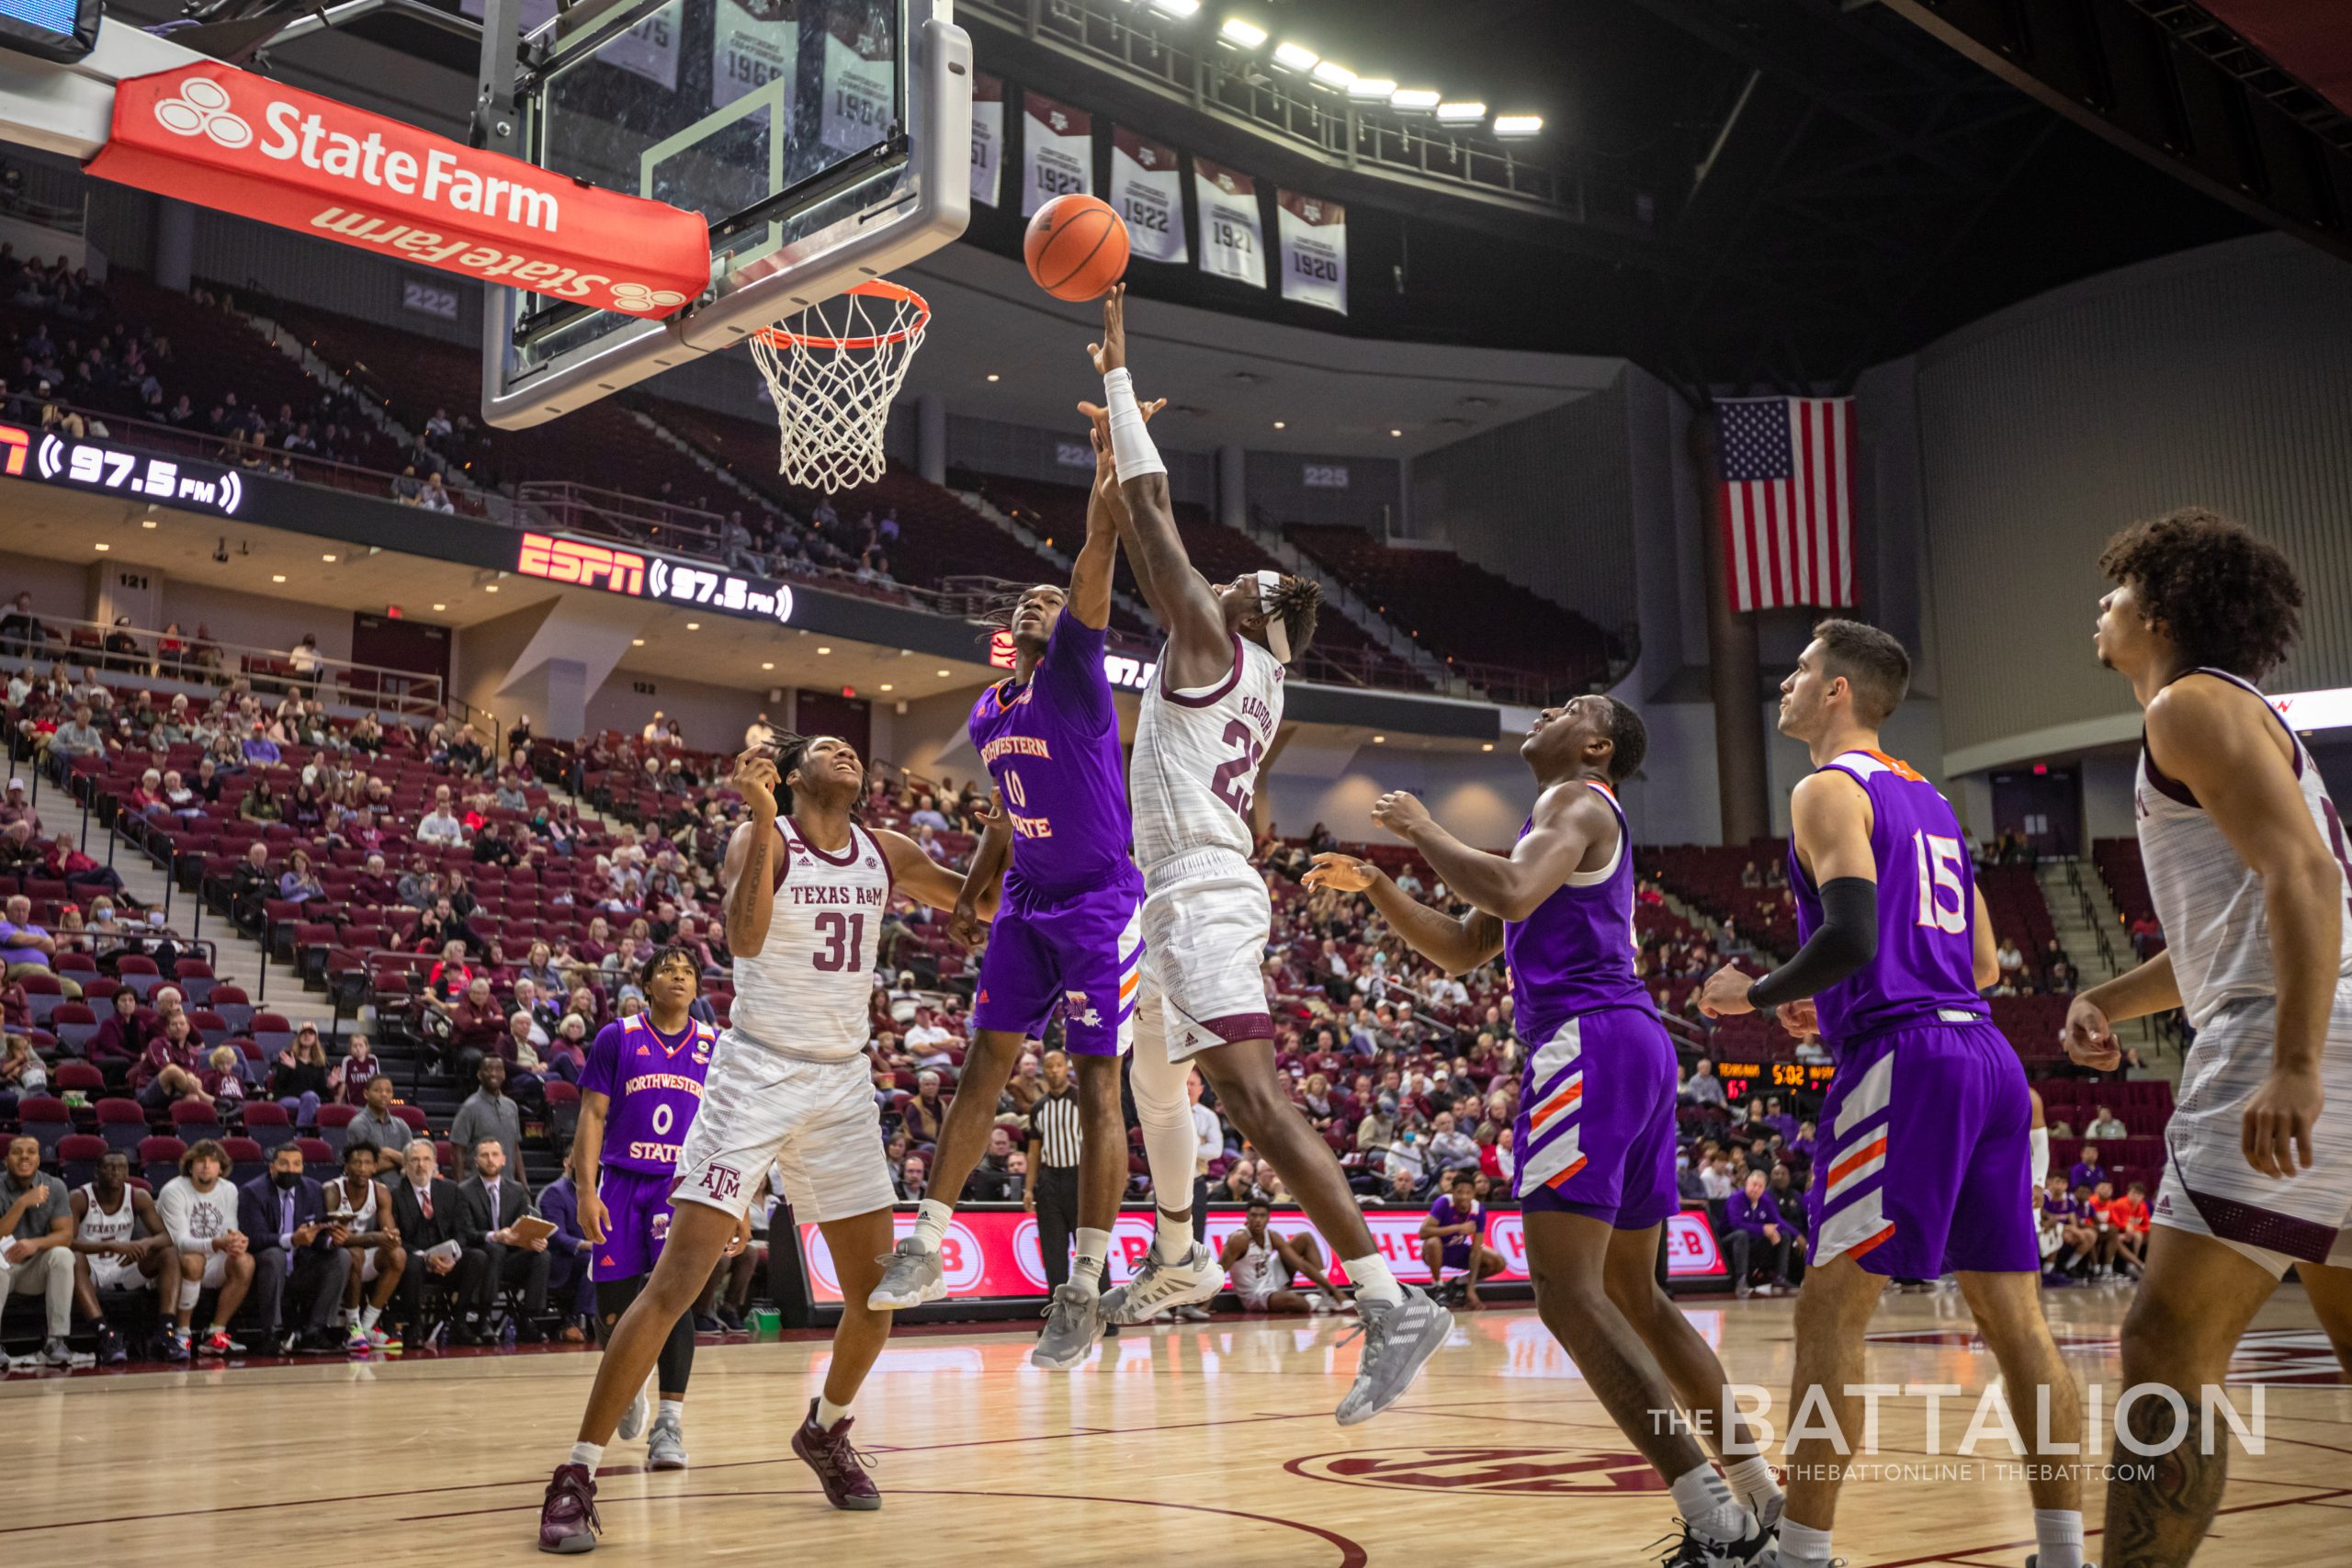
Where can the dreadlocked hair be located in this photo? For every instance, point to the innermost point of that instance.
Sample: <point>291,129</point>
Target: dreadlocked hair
<point>2228,599</point>
<point>1294,601</point>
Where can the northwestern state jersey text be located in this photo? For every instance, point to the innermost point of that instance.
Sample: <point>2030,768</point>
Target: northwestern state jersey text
<point>653,1084</point>
<point>1052,746</point>
<point>1925,967</point>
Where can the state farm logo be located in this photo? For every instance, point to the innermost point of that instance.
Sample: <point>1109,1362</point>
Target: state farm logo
<point>638,297</point>
<point>1491,1470</point>
<point>202,110</point>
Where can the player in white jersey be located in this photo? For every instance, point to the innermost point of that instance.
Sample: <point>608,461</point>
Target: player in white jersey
<point>1210,714</point>
<point>119,1245</point>
<point>2246,864</point>
<point>789,1086</point>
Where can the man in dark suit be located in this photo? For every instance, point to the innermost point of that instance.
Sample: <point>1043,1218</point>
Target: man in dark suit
<point>300,1263</point>
<point>430,1211</point>
<point>492,1200</point>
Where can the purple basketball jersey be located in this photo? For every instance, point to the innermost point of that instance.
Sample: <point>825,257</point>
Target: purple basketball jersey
<point>1925,967</point>
<point>1053,749</point>
<point>653,1082</point>
<point>1575,953</point>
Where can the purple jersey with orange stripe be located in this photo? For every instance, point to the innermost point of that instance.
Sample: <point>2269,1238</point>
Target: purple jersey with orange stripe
<point>1575,953</point>
<point>1925,967</point>
<point>653,1082</point>
<point>1052,746</point>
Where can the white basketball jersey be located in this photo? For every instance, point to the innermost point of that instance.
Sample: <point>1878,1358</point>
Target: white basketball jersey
<point>97,1225</point>
<point>1196,755</point>
<point>362,1215</point>
<point>1254,1271</point>
<point>2207,897</point>
<point>806,994</point>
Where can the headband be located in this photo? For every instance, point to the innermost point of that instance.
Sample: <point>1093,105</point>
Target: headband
<point>1277,635</point>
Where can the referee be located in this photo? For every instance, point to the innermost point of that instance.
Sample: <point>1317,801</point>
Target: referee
<point>1056,1139</point>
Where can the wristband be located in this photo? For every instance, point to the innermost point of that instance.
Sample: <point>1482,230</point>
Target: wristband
<point>1132,451</point>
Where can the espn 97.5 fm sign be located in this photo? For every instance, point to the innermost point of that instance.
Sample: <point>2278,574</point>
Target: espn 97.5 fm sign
<point>101,465</point>
<point>656,579</point>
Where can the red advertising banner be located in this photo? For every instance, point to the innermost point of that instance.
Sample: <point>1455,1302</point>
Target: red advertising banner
<point>993,1252</point>
<point>218,135</point>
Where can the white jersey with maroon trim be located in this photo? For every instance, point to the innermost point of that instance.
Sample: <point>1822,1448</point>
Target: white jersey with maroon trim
<point>806,994</point>
<point>1196,756</point>
<point>98,1226</point>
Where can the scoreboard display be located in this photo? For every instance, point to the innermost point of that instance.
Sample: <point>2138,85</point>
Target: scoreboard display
<point>1744,1078</point>
<point>53,29</point>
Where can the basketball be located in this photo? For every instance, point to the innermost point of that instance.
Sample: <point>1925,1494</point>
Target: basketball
<point>1076,247</point>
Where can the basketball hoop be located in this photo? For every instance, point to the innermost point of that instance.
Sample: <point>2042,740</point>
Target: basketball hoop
<point>833,374</point>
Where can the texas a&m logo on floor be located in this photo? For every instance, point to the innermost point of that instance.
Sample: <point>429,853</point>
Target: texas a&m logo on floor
<point>1488,1468</point>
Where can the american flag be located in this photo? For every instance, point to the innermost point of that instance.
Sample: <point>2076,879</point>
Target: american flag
<point>1788,501</point>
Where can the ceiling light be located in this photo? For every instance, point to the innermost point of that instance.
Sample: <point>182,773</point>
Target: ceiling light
<point>824,650</point>
<point>1297,56</point>
<point>1518,124</point>
<point>767,664</point>
<point>278,577</point>
<point>1372,87</point>
<point>637,642</point>
<point>1380,740</point>
<point>944,674</point>
<point>445,606</point>
<point>329,559</point>
<point>105,548</point>
<point>888,687</point>
<point>1487,747</point>
<point>1248,35</point>
<point>146,521</point>
<point>1468,112</point>
<point>1413,98</point>
<point>693,625</point>
<point>490,587</point>
<point>992,376</point>
<point>1333,74</point>
<point>1176,7</point>
<point>1395,433</point>
<point>1280,424</point>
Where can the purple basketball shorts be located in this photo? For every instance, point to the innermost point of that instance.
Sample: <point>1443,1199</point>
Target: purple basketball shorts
<point>1078,952</point>
<point>1594,1134</point>
<point>636,1222</point>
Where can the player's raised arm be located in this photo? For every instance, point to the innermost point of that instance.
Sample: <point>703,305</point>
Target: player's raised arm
<point>1090,575</point>
<point>1454,945</point>
<point>1568,821</point>
<point>1200,648</point>
<point>1830,824</point>
<point>748,873</point>
<point>923,879</point>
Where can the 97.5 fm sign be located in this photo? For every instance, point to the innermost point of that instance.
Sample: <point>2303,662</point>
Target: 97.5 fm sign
<point>101,465</point>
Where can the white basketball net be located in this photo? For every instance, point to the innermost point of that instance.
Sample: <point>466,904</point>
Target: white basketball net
<point>833,370</point>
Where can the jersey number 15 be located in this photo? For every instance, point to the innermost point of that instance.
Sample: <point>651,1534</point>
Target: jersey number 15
<point>1937,861</point>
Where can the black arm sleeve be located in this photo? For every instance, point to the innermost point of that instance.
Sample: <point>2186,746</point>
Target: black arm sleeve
<point>1847,940</point>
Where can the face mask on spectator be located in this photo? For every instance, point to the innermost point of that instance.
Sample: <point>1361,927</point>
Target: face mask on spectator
<point>285,1180</point>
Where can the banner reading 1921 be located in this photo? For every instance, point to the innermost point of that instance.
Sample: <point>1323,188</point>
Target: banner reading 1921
<point>1148,191</point>
<point>1233,238</point>
<point>1314,233</point>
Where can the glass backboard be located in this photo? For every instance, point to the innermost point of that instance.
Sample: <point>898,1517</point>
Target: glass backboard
<point>807,133</point>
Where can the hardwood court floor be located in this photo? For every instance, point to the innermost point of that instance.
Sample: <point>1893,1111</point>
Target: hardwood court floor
<point>1206,1444</point>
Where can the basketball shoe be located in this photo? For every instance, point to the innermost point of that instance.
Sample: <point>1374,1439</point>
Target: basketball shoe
<point>1398,1338</point>
<point>910,1276</point>
<point>840,1467</point>
<point>1161,1287</point>
<point>568,1520</point>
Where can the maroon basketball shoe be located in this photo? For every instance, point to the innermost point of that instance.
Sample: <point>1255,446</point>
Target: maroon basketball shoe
<point>840,1467</point>
<point>568,1520</point>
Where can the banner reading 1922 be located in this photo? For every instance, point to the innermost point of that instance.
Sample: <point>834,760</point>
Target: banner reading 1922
<point>1148,191</point>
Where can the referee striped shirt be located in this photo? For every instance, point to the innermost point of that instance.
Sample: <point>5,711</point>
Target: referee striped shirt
<point>1053,1125</point>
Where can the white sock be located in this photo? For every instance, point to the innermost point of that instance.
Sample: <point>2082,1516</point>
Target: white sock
<point>368,1316</point>
<point>1753,1481</point>
<point>1094,1247</point>
<point>1375,1281</point>
<point>931,1223</point>
<point>828,1415</point>
<point>1803,1543</point>
<point>2059,1533</point>
<point>1172,1239</point>
<point>590,1454</point>
<point>1708,1507</point>
<point>672,1411</point>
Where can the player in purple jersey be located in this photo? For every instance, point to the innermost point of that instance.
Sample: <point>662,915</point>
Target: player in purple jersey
<point>1925,1129</point>
<point>638,1094</point>
<point>1595,1139</point>
<point>1067,936</point>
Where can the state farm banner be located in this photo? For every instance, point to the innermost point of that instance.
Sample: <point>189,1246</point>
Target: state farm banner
<point>995,1253</point>
<point>753,43</point>
<point>987,137</point>
<point>1057,152</point>
<point>1233,239</point>
<point>1146,187</point>
<point>1314,233</point>
<point>860,80</point>
<point>220,137</point>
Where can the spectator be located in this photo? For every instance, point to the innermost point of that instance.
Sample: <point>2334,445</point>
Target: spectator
<point>489,1115</point>
<point>347,1083</point>
<point>1450,1149</point>
<point>169,1069</point>
<point>2085,1172</point>
<point>495,1202</point>
<point>261,803</point>
<point>201,1213</point>
<point>1379,1128</point>
<point>298,1079</point>
<point>27,948</point>
<point>299,883</point>
<point>37,1243</point>
<point>440,825</point>
<point>2105,1127</point>
<point>77,737</point>
<point>912,1186</point>
<point>21,632</point>
<point>376,1121</point>
<point>477,1028</point>
<point>428,1211</point>
<point>1407,1157</point>
<point>1758,1238</point>
<point>1704,1088</point>
<point>119,1244</point>
<point>926,1112</point>
<point>300,1264</point>
<point>260,749</point>
<point>992,1180</point>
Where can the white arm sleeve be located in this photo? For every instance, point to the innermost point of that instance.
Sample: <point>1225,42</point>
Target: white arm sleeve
<point>2041,1139</point>
<point>1131,446</point>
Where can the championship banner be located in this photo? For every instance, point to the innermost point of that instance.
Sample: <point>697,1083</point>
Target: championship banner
<point>1233,241</point>
<point>648,50</point>
<point>749,49</point>
<point>993,1252</point>
<point>1314,233</point>
<point>1147,190</point>
<point>860,80</point>
<point>987,137</point>
<point>220,137</point>
<point>1057,152</point>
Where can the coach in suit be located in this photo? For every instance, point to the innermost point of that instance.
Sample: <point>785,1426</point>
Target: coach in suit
<point>300,1263</point>
<point>430,1210</point>
<point>491,1199</point>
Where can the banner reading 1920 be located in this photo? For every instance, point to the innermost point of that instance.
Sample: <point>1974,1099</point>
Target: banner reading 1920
<point>1315,249</point>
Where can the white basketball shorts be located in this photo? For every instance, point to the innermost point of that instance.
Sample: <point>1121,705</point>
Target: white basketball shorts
<point>109,1273</point>
<point>2209,1190</point>
<point>1206,918</point>
<point>818,1122</point>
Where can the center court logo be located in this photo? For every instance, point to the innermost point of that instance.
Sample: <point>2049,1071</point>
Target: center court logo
<point>1487,1470</point>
